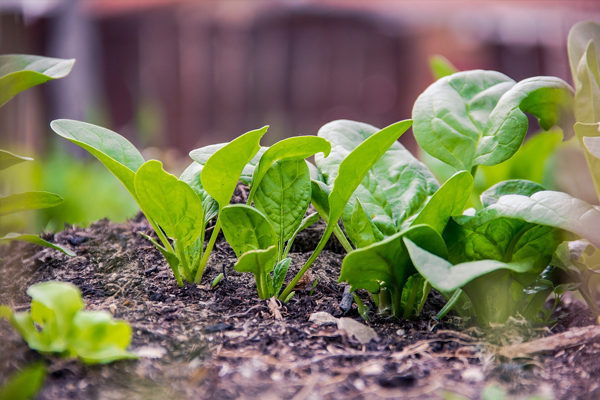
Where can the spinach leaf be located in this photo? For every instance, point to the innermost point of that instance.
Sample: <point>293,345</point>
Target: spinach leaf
<point>8,159</point>
<point>201,155</point>
<point>478,117</point>
<point>386,266</point>
<point>28,201</point>
<point>585,133</point>
<point>513,186</point>
<point>246,229</point>
<point>350,173</point>
<point>19,72</point>
<point>22,237</point>
<point>191,176</point>
<point>260,263</point>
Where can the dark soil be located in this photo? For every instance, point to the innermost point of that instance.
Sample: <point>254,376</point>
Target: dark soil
<point>225,343</point>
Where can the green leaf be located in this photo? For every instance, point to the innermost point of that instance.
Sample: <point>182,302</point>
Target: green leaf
<point>113,150</point>
<point>283,196</point>
<point>25,384</point>
<point>19,72</point>
<point>21,237</point>
<point>246,228</point>
<point>387,265</point>
<point>587,84</point>
<point>555,209</point>
<point>441,67</point>
<point>172,203</point>
<point>515,186</point>
<point>294,148</point>
<point>98,339</point>
<point>478,117</point>
<point>306,222</point>
<point>320,197</point>
<point>28,201</point>
<point>394,188</point>
<point>202,155</point>
<point>191,176</point>
<point>279,273</point>
<point>8,159</point>
<point>587,132</point>
<point>359,227</point>
<point>580,36</point>
<point>448,201</point>
<point>222,170</point>
<point>260,262</point>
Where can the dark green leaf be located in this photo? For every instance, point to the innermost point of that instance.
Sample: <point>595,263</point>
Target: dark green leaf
<point>279,273</point>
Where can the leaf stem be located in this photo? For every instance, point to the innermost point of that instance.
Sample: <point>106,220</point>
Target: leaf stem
<point>209,247</point>
<point>339,234</point>
<point>183,261</point>
<point>160,234</point>
<point>450,304</point>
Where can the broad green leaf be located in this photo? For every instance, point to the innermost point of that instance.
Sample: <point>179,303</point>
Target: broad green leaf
<point>555,209</point>
<point>191,176</point>
<point>98,339</point>
<point>448,201</point>
<point>549,99</point>
<point>246,228</point>
<point>222,170</point>
<point>279,273</point>
<point>360,228</point>
<point>28,201</point>
<point>19,72</point>
<point>283,196</point>
<point>24,384</point>
<point>590,132</point>
<point>587,84</point>
<point>294,148</point>
<point>172,203</point>
<point>387,265</point>
<point>441,67</point>
<point>515,186</point>
<point>450,116</point>
<point>580,36</point>
<point>21,237</point>
<point>393,189</point>
<point>260,262</point>
<point>592,144</point>
<point>113,150</point>
<point>202,155</point>
<point>320,197</point>
<point>8,159</point>
<point>447,277</point>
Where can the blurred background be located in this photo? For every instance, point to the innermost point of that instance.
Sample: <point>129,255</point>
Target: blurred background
<point>172,76</point>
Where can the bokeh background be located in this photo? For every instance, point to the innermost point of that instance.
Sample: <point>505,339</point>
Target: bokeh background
<point>172,76</point>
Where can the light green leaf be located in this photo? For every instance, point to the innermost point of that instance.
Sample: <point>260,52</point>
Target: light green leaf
<point>320,197</point>
<point>283,196</point>
<point>19,72</point>
<point>580,36</point>
<point>191,176</point>
<point>387,265</point>
<point>113,150</point>
<point>246,228</point>
<point>360,229</point>
<point>448,201</point>
<point>222,170</point>
<point>8,159</point>
<point>173,204</point>
<point>202,155</point>
<point>294,148</point>
<point>441,67</point>
<point>555,209</point>
<point>587,84</point>
<point>28,201</point>
<point>586,132</point>
<point>24,384</point>
<point>514,186</point>
<point>21,237</point>
<point>260,262</point>
<point>98,339</point>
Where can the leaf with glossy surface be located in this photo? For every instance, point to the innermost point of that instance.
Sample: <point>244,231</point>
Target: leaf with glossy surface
<point>448,201</point>
<point>21,237</point>
<point>19,72</point>
<point>202,155</point>
<point>514,186</point>
<point>28,201</point>
<point>260,262</point>
<point>294,148</point>
<point>8,159</point>
<point>222,170</point>
<point>113,150</point>
<point>246,228</point>
<point>173,204</point>
<point>283,196</point>
<point>360,228</point>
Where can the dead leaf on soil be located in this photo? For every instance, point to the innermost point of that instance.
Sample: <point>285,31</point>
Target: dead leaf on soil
<point>360,332</point>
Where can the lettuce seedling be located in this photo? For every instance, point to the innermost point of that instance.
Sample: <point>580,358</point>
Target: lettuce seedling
<point>281,192</point>
<point>19,72</point>
<point>58,324</point>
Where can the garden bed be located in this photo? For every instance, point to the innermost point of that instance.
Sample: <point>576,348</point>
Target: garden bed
<point>225,343</point>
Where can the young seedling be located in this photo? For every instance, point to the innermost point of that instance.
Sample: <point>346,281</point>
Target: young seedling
<point>58,324</point>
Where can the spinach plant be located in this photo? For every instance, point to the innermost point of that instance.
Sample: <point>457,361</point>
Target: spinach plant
<point>175,208</point>
<point>281,192</point>
<point>58,324</point>
<point>19,72</point>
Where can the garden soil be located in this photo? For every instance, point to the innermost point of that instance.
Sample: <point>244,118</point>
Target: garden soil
<point>199,342</point>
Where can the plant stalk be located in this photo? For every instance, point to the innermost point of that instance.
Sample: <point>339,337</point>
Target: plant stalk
<point>209,247</point>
